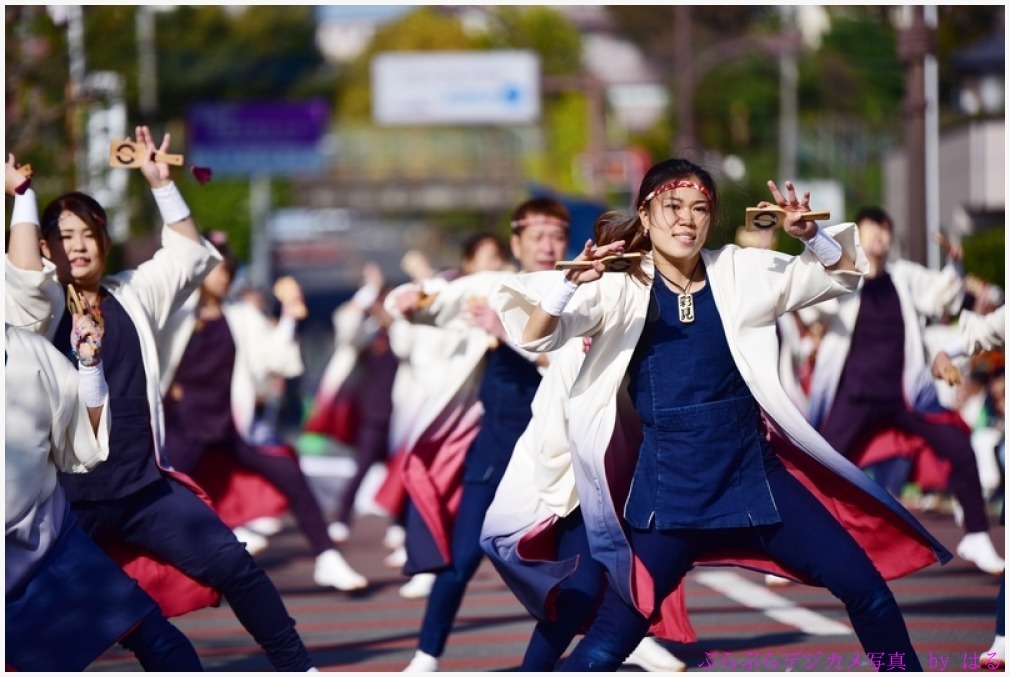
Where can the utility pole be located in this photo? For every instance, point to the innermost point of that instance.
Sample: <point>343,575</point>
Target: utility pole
<point>685,143</point>
<point>788,83</point>
<point>915,43</point>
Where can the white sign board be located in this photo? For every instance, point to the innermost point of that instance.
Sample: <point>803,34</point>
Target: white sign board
<point>436,88</point>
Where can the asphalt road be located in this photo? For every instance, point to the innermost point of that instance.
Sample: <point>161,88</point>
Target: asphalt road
<point>742,625</point>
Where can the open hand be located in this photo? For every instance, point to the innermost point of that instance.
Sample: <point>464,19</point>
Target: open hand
<point>157,174</point>
<point>794,206</point>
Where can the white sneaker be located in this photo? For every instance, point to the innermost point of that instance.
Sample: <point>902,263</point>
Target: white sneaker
<point>995,655</point>
<point>418,587</point>
<point>253,542</point>
<point>773,581</point>
<point>332,569</point>
<point>652,657</point>
<point>395,537</point>
<point>265,526</point>
<point>978,549</point>
<point>396,559</point>
<point>338,532</point>
<point>422,662</point>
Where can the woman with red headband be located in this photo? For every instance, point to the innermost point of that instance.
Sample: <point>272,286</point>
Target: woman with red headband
<point>724,469</point>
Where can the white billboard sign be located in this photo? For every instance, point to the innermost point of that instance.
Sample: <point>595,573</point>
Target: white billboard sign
<point>436,88</point>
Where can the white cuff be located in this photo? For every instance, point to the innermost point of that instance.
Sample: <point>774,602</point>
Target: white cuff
<point>825,248</point>
<point>170,203</point>
<point>558,296</point>
<point>93,387</point>
<point>286,327</point>
<point>365,297</point>
<point>26,209</point>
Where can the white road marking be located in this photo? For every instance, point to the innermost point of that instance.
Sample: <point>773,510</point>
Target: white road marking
<point>779,608</point>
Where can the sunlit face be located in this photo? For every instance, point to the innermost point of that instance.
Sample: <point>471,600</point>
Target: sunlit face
<point>217,282</point>
<point>539,246</point>
<point>875,238</point>
<point>677,222</point>
<point>77,251</point>
<point>486,256</point>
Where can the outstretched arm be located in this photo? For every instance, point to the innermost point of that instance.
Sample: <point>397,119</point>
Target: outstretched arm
<point>174,211</point>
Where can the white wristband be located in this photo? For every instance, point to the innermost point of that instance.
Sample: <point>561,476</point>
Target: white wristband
<point>366,296</point>
<point>825,248</point>
<point>26,209</point>
<point>555,300</point>
<point>93,387</point>
<point>170,203</point>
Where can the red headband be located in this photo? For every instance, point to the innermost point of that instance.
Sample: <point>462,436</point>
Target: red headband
<point>539,219</point>
<point>679,183</point>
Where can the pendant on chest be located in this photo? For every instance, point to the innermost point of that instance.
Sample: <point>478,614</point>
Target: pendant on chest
<point>685,304</point>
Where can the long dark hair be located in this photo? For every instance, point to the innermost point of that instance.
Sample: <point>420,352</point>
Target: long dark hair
<point>613,226</point>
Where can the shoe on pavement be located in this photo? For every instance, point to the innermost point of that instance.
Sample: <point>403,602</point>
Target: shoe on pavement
<point>395,537</point>
<point>265,526</point>
<point>332,569</point>
<point>422,662</point>
<point>396,559</point>
<point>418,587</point>
<point>338,532</point>
<point>253,542</point>
<point>773,581</point>
<point>995,655</point>
<point>978,549</point>
<point>652,657</point>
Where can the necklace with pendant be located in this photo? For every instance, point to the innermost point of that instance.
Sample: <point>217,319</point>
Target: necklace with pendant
<point>685,299</point>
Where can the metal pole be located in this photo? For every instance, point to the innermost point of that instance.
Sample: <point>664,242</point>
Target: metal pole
<point>788,83</point>
<point>683,63</point>
<point>259,203</point>
<point>914,45</point>
<point>932,152</point>
<point>147,68</point>
<point>75,51</point>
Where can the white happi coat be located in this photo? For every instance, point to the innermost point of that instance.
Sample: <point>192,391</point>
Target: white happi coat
<point>149,294</point>
<point>751,288</point>
<point>47,430</point>
<point>261,349</point>
<point>922,293</point>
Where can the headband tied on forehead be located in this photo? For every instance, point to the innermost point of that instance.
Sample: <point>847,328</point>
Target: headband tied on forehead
<point>539,220</point>
<point>679,183</point>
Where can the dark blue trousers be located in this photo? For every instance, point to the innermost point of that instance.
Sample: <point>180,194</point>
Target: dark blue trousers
<point>575,603</point>
<point>170,521</point>
<point>446,594</point>
<point>808,541</point>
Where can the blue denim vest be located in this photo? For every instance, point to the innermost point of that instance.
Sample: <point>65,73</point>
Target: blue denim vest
<point>703,457</point>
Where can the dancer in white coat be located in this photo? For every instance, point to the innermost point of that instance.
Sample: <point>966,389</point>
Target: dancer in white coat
<point>214,353</point>
<point>132,498</point>
<point>872,374</point>
<point>695,349</point>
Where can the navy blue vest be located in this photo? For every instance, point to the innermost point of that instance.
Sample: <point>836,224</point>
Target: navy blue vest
<point>510,381</point>
<point>131,464</point>
<point>703,457</point>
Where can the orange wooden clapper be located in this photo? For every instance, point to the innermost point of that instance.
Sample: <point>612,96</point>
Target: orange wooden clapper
<point>130,154</point>
<point>765,218</point>
<point>617,263</point>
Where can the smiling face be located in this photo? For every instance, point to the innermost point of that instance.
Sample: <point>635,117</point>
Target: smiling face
<point>77,251</point>
<point>677,221</point>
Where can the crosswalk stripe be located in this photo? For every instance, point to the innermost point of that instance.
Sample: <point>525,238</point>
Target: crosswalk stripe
<point>779,608</point>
